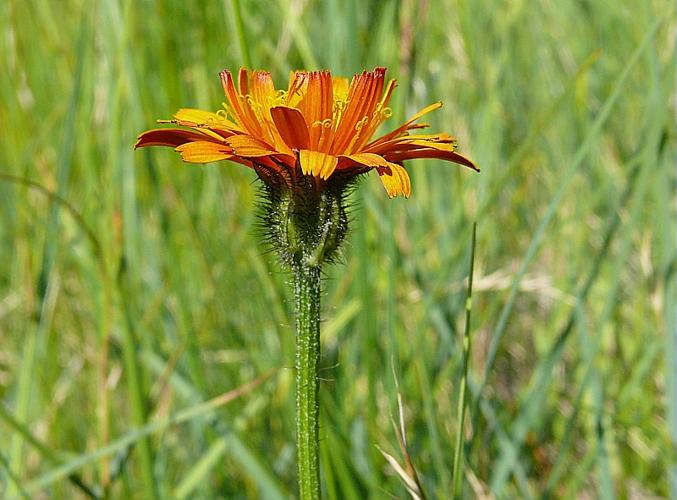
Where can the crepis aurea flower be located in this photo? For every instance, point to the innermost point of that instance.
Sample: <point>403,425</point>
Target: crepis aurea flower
<point>307,144</point>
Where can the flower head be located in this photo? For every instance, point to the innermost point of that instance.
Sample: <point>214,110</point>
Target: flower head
<point>307,144</point>
<point>317,134</point>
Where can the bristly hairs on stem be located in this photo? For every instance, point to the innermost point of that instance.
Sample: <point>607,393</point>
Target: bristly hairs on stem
<point>297,221</point>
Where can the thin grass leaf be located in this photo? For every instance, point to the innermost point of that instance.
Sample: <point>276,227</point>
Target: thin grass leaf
<point>200,410</point>
<point>406,472</point>
<point>242,35</point>
<point>463,387</point>
<point>45,285</point>
<point>567,178</point>
<point>538,391</point>
<point>409,482</point>
<point>236,447</point>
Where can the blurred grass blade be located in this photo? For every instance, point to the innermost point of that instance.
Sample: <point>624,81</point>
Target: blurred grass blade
<point>137,393</point>
<point>636,186</point>
<point>409,482</point>
<point>44,450</point>
<point>13,479</point>
<point>59,200</point>
<point>593,344</point>
<point>293,14</point>
<point>539,125</point>
<point>132,437</point>
<point>463,387</point>
<point>527,88</point>
<point>564,184</point>
<point>44,280</point>
<point>406,472</point>
<point>201,469</point>
<point>242,35</point>
<point>236,448</point>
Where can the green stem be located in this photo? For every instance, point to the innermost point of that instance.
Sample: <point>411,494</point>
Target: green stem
<point>307,295</point>
<point>462,396</point>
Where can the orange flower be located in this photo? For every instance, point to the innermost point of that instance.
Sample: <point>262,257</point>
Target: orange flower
<point>321,126</point>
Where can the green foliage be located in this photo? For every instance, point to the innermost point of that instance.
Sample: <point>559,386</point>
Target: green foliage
<point>134,288</point>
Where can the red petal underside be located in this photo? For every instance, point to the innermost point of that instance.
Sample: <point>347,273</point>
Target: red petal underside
<point>171,137</point>
<point>243,80</point>
<point>247,146</point>
<point>403,142</point>
<point>452,156</point>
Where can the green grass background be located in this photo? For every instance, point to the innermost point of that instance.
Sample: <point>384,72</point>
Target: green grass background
<point>133,287</point>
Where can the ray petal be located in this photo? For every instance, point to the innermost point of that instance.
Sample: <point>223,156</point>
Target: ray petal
<point>239,108</point>
<point>395,180</point>
<point>368,159</point>
<point>189,117</point>
<point>248,146</point>
<point>196,117</point>
<point>243,81</point>
<point>406,125</point>
<point>317,163</point>
<point>262,88</point>
<point>452,156</point>
<point>316,104</point>
<point>291,126</point>
<point>363,96</point>
<point>204,152</point>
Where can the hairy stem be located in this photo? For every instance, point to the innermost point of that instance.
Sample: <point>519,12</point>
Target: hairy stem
<point>307,295</point>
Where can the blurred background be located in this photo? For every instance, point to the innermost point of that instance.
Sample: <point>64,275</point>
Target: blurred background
<point>133,288</point>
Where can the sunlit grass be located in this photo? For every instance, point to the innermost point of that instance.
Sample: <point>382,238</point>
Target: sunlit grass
<point>575,251</point>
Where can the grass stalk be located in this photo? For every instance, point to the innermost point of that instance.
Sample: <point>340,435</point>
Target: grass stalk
<point>241,34</point>
<point>43,449</point>
<point>202,409</point>
<point>13,479</point>
<point>463,389</point>
<point>567,178</point>
<point>138,406</point>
